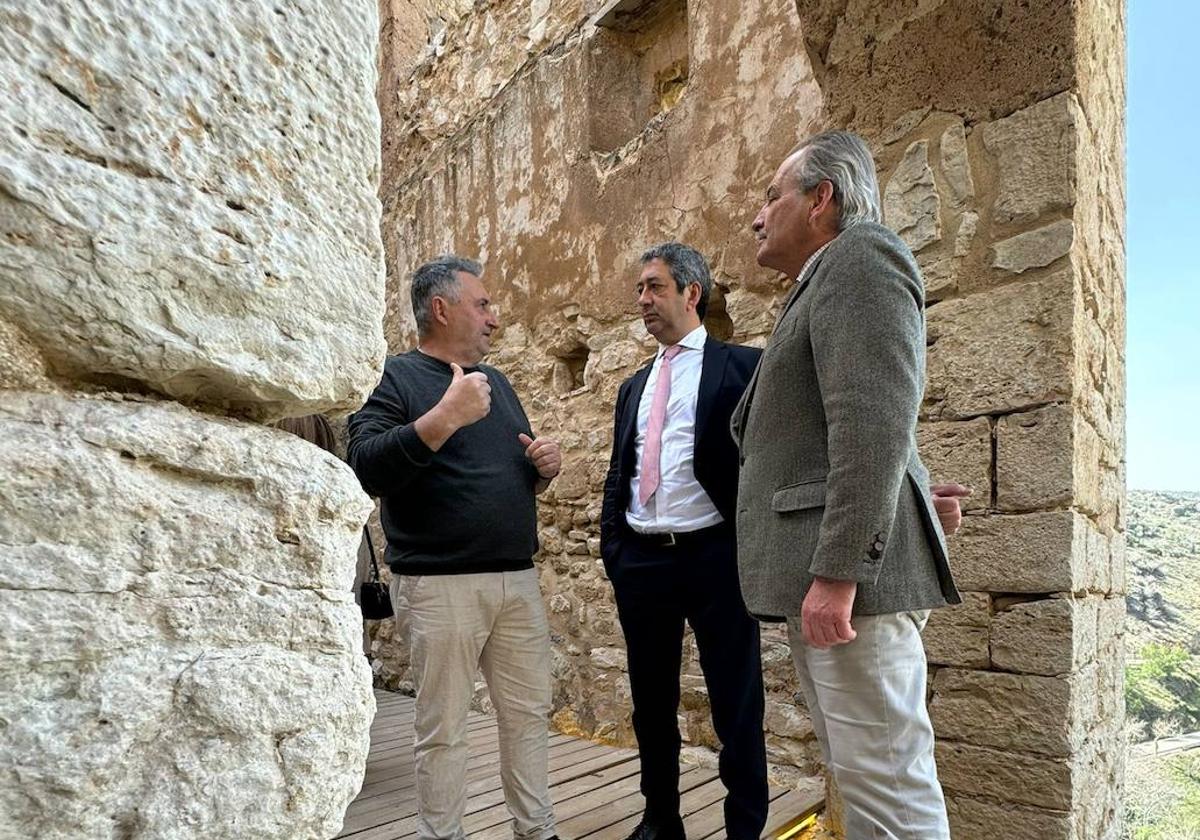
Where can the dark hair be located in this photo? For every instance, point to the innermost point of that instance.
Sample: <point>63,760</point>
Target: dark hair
<point>437,277</point>
<point>687,266</point>
<point>314,428</point>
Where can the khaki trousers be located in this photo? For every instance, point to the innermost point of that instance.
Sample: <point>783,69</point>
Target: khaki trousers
<point>459,624</point>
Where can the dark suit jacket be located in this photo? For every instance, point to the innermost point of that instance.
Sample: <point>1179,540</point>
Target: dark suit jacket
<point>725,370</point>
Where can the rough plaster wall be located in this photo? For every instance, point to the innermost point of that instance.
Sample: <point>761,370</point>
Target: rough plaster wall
<point>997,128</point>
<point>188,210</point>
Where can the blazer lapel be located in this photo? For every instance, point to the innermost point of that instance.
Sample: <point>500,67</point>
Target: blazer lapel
<point>712,371</point>
<point>799,290</point>
<point>738,423</point>
<point>629,417</point>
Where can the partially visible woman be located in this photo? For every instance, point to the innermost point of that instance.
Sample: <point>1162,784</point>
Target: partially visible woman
<point>315,429</point>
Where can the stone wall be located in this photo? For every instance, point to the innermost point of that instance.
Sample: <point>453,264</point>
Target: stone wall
<point>556,141</point>
<point>188,214</point>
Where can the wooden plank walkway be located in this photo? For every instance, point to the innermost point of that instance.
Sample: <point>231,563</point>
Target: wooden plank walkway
<point>595,787</point>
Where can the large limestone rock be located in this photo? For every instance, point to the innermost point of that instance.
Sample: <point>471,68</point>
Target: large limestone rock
<point>179,646</point>
<point>188,198</point>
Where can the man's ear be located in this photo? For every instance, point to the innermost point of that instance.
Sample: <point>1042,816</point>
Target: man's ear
<point>693,295</point>
<point>438,307</point>
<point>824,199</point>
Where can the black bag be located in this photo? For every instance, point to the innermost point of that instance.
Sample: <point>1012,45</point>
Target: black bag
<point>372,594</point>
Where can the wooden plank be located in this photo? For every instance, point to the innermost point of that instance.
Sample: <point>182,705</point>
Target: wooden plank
<point>571,799</point>
<point>595,788</point>
<point>400,801</point>
<point>607,811</point>
<point>794,805</point>
<point>381,780</point>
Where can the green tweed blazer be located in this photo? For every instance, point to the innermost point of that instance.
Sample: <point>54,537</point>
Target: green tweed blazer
<point>830,481</point>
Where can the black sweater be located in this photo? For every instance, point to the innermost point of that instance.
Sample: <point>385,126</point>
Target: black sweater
<point>469,507</point>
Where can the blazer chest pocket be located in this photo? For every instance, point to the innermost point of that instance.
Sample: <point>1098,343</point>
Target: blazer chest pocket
<point>806,494</point>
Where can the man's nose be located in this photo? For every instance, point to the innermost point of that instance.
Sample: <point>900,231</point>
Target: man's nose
<point>758,222</point>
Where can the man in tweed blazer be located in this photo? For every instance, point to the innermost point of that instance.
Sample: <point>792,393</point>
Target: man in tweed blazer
<point>837,533</point>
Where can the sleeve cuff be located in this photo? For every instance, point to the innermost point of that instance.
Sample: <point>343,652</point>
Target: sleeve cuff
<point>866,571</point>
<point>413,447</point>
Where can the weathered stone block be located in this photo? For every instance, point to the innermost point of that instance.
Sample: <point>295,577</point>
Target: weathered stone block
<point>911,205</point>
<point>1034,248</point>
<point>1101,808</point>
<point>1006,776</point>
<point>1001,350</point>
<point>22,366</point>
<point>1035,158</point>
<point>960,452</point>
<point>175,603</point>
<point>1035,552</point>
<point>189,204</point>
<point>958,635</point>
<point>610,658</point>
<point>939,274</point>
<point>980,819</point>
<point>1035,459</point>
<point>967,226</point>
<point>956,166</point>
<point>1010,711</point>
<point>787,721</point>
<point>1051,637</point>
<point>1110,624</point>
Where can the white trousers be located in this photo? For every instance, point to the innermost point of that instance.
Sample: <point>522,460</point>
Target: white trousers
<point>459,624</point>
<point>866,699</point>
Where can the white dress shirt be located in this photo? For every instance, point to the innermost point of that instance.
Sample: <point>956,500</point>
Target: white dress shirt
<point>680,503</point>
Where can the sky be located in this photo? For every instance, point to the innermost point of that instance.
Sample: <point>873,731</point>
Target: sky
<point>1163,245</point>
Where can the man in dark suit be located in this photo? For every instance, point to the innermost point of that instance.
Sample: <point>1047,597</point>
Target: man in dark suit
<point>669,548</point>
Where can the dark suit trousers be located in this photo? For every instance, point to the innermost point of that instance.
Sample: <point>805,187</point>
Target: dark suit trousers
<point>657,588</point>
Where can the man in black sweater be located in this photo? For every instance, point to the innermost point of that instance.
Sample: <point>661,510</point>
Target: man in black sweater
<point>444,442</point>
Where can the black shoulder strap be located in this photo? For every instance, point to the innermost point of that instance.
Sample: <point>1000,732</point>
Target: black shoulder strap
<point>371,549</point>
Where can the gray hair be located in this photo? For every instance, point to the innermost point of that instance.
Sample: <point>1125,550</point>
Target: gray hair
<point>843,159</point>
<point>437,277</point>
<point>687,266</point>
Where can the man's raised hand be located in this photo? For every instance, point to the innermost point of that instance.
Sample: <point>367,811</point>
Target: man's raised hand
<point>468,399</point>
<point>543,453</point>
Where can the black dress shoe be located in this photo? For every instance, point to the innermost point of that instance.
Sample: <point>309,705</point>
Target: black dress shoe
<point>658,831</point>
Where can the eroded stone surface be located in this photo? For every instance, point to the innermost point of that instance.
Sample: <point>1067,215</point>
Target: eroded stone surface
<point>1035,248</point>
<point>980,707</point>
<point>958,635</point>
<point>1035,153</point>
<point>179,646</point>
<point>1037,466</point>
<point>960,452</point>
<point>1053,637</point>
<point>1001,350</point>
<point>1033,552</point>
<point>956,165</point>
<point>188,198</point>
<point>911,205</point>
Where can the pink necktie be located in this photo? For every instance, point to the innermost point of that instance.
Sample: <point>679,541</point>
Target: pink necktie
<point>654,429</point>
